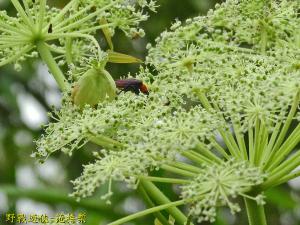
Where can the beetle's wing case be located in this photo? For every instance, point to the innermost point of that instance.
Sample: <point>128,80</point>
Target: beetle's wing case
<point>128,82</point>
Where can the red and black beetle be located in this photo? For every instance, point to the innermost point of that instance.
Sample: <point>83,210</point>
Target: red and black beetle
<point>134,85</point>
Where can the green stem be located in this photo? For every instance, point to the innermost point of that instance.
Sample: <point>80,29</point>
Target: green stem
<point>164,180</point>
<point>282,170</point>
<point>226,135</point>
<point>151,204</point>
<point>7,39</point>
<point>41,15</point>
<point>288,146</point>
<point>185,166</point>
<point>23,14</point>
<point>256,213</point>
<point>178,171</point>
<point>219,148</point>
<point>15,56</point>
<point>160,199</point>
<point>230,143</point>
<point>19,27</point>
<point>65,21</point>
<point>69,50</point>
<point>240,139</point>
<point>88,30</point>
<point>52,65</point>
<point>251,143</point>
<point>204,101</point>
<point>264,39</point>
<point>105,141</point>
<point>15,30</point>
<point>62,12</point>
<point>196,157</point>
<point>263,134</point>
<point>286,126</point>
<point>271,143</point>
<point>203,150</point>
<point>146,212</point>
<point>286,178</point>
<point>27,11</point>
<point>81,20</point>
<point>77,34</point>
<point>257,138</point>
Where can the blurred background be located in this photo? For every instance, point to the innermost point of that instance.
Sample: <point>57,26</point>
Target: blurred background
<point>30,188</point>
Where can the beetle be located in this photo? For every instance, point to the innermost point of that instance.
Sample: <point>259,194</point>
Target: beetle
<point>134,85</point>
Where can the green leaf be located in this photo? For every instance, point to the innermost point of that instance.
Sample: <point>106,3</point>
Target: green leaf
<point>116,57</point>
<point>107,34</point>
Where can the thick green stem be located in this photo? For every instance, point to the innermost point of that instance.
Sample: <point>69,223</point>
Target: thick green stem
<point>52,65</point>
<point>219,148</point>
<point>264,39</point>
<point>270,145</point>
<point>202,149</point>
<point>263,133</point>
<point>240,139</point>
<point>185,166</point>
<point>161,199</point>
<point>151,204</point>
<point>178,171</point>
<point>69,50</point>
<point>146,212</point>
<point>230,143</point>
<point>165,180</point>
<point>257,139</point>
<point>105,141</point>
<point>256,213</point>
<point>197,158</point>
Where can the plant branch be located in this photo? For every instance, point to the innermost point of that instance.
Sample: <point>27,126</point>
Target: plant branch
<point>150,203</point>
<point>146,212</point>
<point>52,65</point>
<point>162,200</point>
<point>256,213</point>
<point>23,14</point>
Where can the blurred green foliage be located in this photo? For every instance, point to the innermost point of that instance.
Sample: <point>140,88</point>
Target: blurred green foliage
<point>17,135</point>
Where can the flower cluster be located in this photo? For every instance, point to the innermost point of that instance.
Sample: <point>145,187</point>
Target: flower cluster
<point>216,184</point>
<point>73,27</point>
<point>238,78</point>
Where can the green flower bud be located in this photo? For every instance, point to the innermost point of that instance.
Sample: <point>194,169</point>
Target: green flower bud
<point>94,86</point>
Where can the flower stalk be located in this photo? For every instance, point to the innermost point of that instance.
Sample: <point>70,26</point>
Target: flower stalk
<point>52,65</point>
<point>255,212</point>
<point>162,200</point>
<point>166,206</point>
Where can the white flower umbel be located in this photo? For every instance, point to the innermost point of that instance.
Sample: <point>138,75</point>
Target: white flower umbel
<point>217,184</point>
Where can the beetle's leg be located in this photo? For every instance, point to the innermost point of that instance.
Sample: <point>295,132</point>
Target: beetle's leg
<point>132,88</point>
<point>120,92</point>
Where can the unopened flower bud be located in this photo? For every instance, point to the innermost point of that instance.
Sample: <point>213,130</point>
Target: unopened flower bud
<point>94,86</point>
